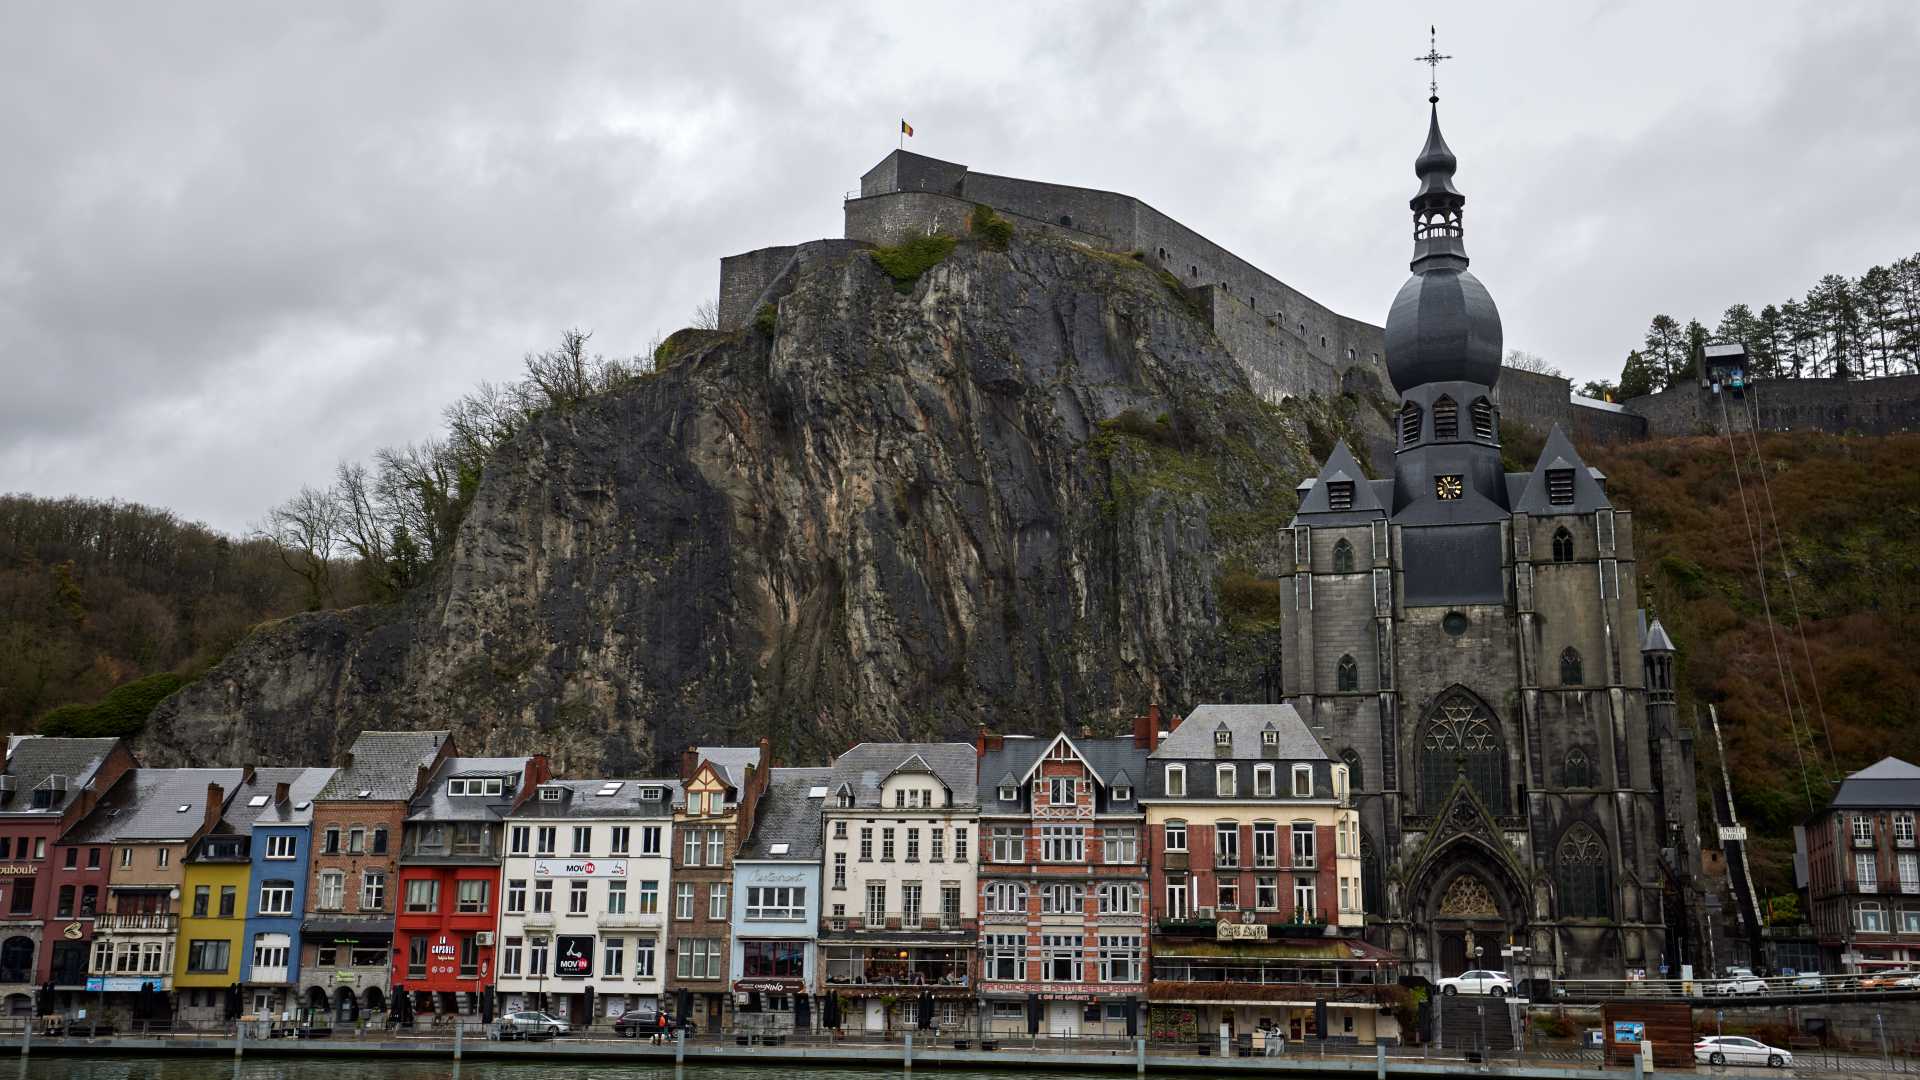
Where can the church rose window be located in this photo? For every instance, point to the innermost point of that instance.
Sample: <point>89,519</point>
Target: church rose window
<point>1562,546</point>
<point>1461,738</point>
<point>1580,867</point>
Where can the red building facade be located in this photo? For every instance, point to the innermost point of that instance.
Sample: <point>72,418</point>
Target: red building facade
<point>449,890</point>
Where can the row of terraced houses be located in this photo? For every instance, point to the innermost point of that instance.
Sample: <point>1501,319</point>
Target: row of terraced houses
<point>1188,875</point>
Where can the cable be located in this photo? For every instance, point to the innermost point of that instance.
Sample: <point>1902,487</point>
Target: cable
<point>1793,595</point>
<point>1766,604</point>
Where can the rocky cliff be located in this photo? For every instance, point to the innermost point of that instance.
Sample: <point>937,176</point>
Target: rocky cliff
<point>1026,488</point>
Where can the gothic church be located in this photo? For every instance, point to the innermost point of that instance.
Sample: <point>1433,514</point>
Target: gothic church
<point>1467,640</point>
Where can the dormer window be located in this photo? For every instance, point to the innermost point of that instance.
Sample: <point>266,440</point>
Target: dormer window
<point>1560,487</point>
<point>1222,743</point>
<point>550,794</point>
<point>650,794</point>
<point>1340,495</point>
<point>1483,419</point>
<point>1177,781</point>
<point>1446,418</point>
<point>1226,781</point>
<point>1303,781</point>
<point>1263,781</point>
<point>1120,794</point>
<point>1009,793</point>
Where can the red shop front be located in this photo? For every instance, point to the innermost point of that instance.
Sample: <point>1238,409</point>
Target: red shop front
<point>443,938</point>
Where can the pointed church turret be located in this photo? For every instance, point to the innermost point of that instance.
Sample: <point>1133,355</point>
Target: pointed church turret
<point>1443,355</point>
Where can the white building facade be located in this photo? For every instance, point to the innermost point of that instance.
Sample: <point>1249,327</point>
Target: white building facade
<point>583,908</point>
<point>899,882</point>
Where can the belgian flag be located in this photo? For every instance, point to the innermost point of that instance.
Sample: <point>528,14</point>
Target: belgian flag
<point>906,129</point>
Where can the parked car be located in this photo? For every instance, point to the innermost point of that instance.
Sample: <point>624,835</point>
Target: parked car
<point>1739,1050</point>
<point>1886,980</point>
<point>1738,981</point>
<point>1477,982</point>
<point>531,1025</point>
<point>638,1024</point>
<point>1811,982</point>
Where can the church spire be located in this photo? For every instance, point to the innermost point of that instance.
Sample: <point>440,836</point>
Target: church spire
<point>1437,239</point>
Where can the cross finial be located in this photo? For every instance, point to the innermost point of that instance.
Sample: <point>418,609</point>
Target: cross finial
<point>1432,60</point>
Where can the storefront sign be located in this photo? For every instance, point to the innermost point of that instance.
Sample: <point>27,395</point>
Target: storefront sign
<point>574,868</point>
<point>1238,931</point>
<point>18,868</point>
<point>73,931</point>
<point>769,986</point>
<point>345,977</point>
<point>97,984</point>
<point>573,956</point>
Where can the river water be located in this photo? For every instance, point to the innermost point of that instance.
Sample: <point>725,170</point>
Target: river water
<point>270,1068</point>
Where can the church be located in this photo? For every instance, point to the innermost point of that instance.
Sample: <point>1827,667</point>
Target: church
<point>1467,640</point>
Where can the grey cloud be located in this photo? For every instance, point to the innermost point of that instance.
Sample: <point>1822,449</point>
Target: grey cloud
<point>246,242</point>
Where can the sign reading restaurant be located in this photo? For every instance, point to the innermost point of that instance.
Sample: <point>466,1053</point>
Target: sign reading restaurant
<point>571,868</point>
<point>1225,930</point>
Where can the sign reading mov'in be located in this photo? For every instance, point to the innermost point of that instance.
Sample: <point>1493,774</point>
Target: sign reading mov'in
<point>573,956</point>
<point>615,868</point>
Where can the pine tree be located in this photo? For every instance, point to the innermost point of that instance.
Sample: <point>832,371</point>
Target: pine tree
<point>1637,377</point>
<point>1663,351</point>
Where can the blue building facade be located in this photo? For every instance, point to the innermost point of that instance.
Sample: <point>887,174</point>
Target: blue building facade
<point>277,895</point>
<point>776,900</point>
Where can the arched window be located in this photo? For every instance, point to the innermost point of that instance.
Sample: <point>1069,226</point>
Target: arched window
<point>1409,424</point>
<point>1562,545</point>
<point>1347,675</point>
<point>1578,770</point>
<point>1446,418</point>
<point>1461,737</point>
<point>1483,419</point>
<point>1343,558</point>
<point>1580,869</point>
<point>1372,898</point>
<point>1351,758</point>
<point>1570,667</point>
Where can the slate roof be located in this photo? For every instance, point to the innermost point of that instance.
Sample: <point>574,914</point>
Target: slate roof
<point>1342,467</point>
<point>300,792</point>
<point>582,801</point>
<point>434,804</point>
<point>1194,737</point>
<point>866,766</point>
<point>386,763</point>
<point>145,805</point>
<point>31,760</point>
<point>1559,453</point>
<point>788,816</point>
<point>1887,782</point>
<point>732,761</point>
<point>241,816</point>
<point>1117,760</point>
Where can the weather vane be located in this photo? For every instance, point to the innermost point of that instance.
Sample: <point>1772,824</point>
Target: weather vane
<point>1432,60</point>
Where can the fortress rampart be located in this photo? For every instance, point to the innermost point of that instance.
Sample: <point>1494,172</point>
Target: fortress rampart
<point>1289,344</point>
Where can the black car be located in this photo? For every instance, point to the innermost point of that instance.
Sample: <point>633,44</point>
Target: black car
<point>640,1024</point>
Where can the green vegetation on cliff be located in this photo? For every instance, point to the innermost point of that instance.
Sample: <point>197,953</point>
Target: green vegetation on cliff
<point>1849,522</point>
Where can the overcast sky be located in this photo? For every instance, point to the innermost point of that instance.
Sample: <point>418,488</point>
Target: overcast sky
<point>240,242</point>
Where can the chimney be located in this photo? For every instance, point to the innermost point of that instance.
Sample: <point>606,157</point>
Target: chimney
<point>216,807</point>
<point>980,741</point>
<point>1146,729</point>
<point>689,761</point>
<point>282,791</point>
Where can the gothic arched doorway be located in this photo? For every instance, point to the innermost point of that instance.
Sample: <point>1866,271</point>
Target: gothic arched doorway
<point>1466,921</point>
<point>1468,905</point>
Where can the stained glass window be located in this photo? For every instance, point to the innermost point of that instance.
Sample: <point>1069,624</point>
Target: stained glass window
<point>1460,736</point>
<point>1581,867</point>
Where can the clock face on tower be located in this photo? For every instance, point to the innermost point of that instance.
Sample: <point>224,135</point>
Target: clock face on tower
<point>1448,488</point>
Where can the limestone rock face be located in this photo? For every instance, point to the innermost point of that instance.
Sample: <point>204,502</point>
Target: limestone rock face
<point>1033,491</point>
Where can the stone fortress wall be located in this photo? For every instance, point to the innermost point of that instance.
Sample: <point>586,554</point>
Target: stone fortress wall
<point>1289,345</point>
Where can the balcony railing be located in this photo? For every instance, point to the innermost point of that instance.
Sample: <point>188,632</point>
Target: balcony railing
<point>626,920</point>
<point>160,922</point>
<point>896,920</point>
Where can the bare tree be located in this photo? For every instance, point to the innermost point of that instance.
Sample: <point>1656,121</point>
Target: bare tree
<point>1520,360</point>
<point>706,316</point>
<point>304,528</point>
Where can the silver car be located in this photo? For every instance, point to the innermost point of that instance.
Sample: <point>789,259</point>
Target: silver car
<point>531,1025</point>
